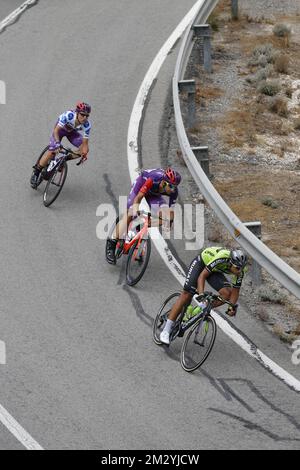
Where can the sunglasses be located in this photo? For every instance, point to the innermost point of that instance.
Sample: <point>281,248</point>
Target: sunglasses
<point>84,115</point>
<point>170,185</point>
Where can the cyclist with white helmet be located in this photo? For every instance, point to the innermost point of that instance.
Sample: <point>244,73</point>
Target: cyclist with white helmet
<point>210,265</point>
<point>69,124</point>
<point>153,185</point>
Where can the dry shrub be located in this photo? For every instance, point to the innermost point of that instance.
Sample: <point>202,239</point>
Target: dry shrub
<point>269,202</point>
<point>282,30</point>
<point>289,91</point>
<point>278,105</point>
<point>297,124</point>
<point>214,22</point>
<point>263,54</point>
<point>269,87</point>
<point>281,64</point>
<point>286,128</point>
<point>297,330</point>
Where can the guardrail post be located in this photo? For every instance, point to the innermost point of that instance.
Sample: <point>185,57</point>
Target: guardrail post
<point>203,31</point>
<point>235,9</point>
<point>201,153</point>
<point>189,87</point>
<point>255,228</point>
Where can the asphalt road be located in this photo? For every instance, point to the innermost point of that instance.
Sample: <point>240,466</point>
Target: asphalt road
<point>82,371</point>
<point>7,6</point>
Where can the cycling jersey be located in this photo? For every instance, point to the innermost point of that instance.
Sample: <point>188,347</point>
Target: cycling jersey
<point>151,182</point>
<point>217,259</point>
<point>67,122</point>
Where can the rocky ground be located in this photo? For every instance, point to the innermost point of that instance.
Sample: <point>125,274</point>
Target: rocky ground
<point>253,139</point>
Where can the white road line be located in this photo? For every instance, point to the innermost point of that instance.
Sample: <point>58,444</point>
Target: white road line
<point>11,18</point>
<point>161,246</point>
<point>16,429</point>
<point>5,418</point>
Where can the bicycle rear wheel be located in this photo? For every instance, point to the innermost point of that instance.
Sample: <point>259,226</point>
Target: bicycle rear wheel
<point>162,316</point>
<point>198,343</point>
<point>40,179</point>
<point>137,261</point>
<point>55,184</point>
<point>119,247</point>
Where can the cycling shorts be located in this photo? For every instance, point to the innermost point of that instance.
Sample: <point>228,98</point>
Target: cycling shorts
<point>74,137</point>
<point>216,280</point>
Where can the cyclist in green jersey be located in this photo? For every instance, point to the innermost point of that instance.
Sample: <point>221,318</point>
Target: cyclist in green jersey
<point>210,265</point>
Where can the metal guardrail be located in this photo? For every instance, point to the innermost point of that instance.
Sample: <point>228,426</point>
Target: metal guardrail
<point>265,257</point>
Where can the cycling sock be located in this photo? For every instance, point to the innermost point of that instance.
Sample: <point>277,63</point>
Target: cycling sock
<point>169,326</point>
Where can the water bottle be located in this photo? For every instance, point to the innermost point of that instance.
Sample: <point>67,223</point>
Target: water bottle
<point>199,308</point>
<point>188,313</point>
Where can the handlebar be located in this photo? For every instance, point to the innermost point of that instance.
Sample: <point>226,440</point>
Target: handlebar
<point>149,215</point>
<point>145,213</point>
<point>70,151</point>
<point>210,297</point>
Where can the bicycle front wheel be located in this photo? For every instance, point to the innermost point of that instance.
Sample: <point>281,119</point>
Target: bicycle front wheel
<point>137,261</point>
<point>198,344</point>
<point>55,185</point>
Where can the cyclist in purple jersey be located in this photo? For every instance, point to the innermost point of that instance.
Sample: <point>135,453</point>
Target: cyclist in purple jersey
<point>69,124</point>
<point>153,185</point>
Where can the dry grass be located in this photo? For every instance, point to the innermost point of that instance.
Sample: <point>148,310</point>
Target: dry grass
<point>252,118</point>
<point>280,227</point>
<point>250,42</point>
<point>208,93</point>
<point>238,127</point>
<point>223,6</point>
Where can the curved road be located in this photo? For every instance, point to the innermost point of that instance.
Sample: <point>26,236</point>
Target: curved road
<point>82,371</point>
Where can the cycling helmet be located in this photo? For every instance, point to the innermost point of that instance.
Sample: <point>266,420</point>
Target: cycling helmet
<point>83,108</point>
<point>238,258</point>
<point>172,176</point>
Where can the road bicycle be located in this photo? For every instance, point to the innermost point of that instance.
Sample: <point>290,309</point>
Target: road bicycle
<point>202,330</point>
<point>55,173</point>
<point>136,245</point>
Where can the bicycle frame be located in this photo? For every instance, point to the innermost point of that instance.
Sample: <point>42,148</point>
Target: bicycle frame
<point>138,237</point>
<point>56,162</point>
<point>180,328</point>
